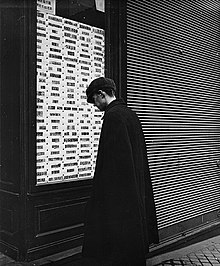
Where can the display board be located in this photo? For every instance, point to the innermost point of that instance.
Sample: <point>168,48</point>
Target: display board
<point>69,55</point>
<point>48,6</point>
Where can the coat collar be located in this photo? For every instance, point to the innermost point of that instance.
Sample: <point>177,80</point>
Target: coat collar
<point>112,104</point>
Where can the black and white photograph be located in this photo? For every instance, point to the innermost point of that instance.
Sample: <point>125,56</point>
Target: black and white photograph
<point>109,132</point>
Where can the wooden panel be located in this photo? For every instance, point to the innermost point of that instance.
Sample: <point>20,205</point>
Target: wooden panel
<point>9,223</point>
<point>9,216</point>
<point>11,114</point>
<point>10,58</point>
<point>56,221</point>
<point>116,44</point>
<point>54,218</point>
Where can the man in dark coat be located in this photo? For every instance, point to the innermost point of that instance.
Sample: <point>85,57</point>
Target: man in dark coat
<point>120,219</point>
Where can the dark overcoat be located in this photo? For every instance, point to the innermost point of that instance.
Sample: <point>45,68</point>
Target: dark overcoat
<point>120,215</point>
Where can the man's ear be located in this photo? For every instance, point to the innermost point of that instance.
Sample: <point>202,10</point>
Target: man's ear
<point>102,93</point>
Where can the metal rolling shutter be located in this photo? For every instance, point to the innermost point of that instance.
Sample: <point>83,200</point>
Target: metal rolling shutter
<point>173,85</point>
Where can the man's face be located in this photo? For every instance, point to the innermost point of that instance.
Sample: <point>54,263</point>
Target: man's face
<point>100,101</point>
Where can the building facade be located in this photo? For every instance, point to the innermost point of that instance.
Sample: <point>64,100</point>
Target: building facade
<point>164,57</point>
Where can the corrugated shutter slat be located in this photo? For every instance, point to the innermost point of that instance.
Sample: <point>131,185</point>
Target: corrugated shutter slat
<point>173,85</point>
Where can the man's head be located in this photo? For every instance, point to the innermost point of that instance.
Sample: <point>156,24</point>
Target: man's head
<point>101,92</point>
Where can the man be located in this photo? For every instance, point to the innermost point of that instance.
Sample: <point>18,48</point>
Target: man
<point>120,215</point>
